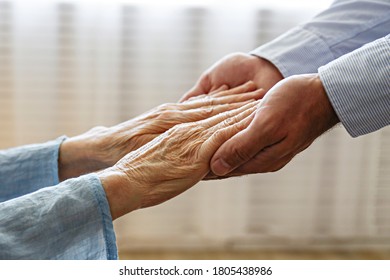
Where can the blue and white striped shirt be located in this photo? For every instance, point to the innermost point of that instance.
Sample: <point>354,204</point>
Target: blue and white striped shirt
<point>348,44</point>
<point>358,86</point>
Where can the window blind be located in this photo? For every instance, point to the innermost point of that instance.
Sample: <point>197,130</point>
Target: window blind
<point>66,66</point>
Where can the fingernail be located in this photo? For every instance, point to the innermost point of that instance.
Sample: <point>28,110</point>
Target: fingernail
<point>220,167</point>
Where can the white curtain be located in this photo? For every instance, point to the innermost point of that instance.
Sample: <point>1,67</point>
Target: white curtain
<point>66,66</point>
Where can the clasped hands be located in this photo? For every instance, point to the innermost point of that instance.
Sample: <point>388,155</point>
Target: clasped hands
<point>149,159</point>
<point>219,130</point>
<point>293,113</point>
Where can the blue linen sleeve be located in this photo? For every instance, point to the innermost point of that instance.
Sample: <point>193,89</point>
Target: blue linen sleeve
<point>28,168</point>
<point>345,26</point>
<point>358,86</point>
<point>69,221</point>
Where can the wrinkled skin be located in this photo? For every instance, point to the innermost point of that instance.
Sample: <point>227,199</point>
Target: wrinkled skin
<point>292,114</point>
<point>233,70</point>
<point>288,119</point>
<point>171,163</point>
<point>101,147</point>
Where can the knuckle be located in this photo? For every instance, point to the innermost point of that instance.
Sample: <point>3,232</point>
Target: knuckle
<point>165,115</point>
<point>230,121</point>
<point>195,98</point>
<point>209,100</point>
<point>166,112</point>
<point>219,134</point>
<point>240,126</point>
<point>208,112</point>
<point>165,107</point>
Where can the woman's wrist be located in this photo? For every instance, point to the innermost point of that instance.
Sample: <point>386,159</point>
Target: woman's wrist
<point>77,156</point>
<point>121,192</point>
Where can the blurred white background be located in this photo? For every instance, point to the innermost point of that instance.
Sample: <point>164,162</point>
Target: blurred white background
<point>66,66</point>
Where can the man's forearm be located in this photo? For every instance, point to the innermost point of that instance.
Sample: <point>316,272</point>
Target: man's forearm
<point>342,28</point>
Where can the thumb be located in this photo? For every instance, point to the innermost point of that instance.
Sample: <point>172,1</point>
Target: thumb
<point>236,151</point>
<point>202,86</point>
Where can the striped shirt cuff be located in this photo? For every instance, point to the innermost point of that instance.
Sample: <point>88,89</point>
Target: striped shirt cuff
<point>358,86</point>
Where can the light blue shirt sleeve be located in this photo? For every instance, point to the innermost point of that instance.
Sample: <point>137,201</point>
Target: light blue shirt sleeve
<point>345,26</point>
<point>70,220</point>
<point>358,86</point>
<point>28,168</point>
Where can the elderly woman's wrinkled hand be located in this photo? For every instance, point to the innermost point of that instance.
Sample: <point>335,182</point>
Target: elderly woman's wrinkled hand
<point>102,147</point>
<point>171,163</point>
